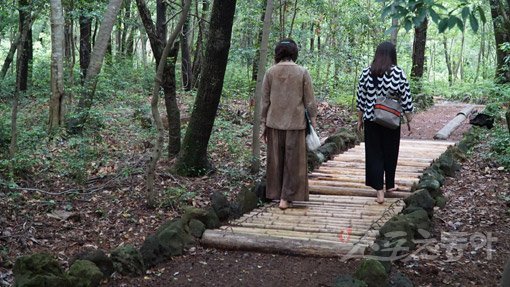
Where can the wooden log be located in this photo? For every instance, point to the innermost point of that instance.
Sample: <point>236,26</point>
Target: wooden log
<point>452,125</point>
<point>329,190</point>
<point>403,187</point>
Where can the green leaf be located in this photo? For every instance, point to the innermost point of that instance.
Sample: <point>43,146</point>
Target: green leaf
<point>433,14</point>
<point>474,22</point>
<point>460,24</point>
<point>439,6</point>
<point>401,11</point>
<point>408,24</point>
<point>452,21</point>
<point>443,25</point>
<point>386,11</point>
<point>465,13</point>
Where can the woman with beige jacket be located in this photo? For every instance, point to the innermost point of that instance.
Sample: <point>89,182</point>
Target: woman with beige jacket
<point>287,92</point>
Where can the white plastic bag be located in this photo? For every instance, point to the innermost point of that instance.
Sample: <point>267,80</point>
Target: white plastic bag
<point>312,140</point>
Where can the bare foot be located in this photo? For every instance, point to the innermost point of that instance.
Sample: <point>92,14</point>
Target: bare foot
<point>395,188</point>
<point>284,204</point>
<point>380,196</point>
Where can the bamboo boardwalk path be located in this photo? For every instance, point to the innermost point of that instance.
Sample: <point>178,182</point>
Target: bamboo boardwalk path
<point>341,216</point>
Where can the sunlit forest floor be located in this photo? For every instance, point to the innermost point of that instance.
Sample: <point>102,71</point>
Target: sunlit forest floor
<point>109,210</point>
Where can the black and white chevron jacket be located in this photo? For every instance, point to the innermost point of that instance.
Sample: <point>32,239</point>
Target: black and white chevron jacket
<point>393,84</point>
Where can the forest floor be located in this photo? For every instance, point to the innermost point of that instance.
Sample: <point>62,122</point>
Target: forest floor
<point>65,224</point>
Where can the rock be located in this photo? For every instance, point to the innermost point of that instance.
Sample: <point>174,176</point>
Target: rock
<point>448,164</point>
<point>383,251</point>
<point>221,206</point>
<point>433,174</point>
<point>338,140</point>
<point>247,201</point>
<point>398,279</point>
<point>99,258</point>
<point>128,261</point>
<point>399,229</point>
<point>420,219</point>
<point>170,240</point>
<point>429,184</point>
<point>421,198</point>
<point>349,281</point>
<point>196,228</point>
<point>314,160</point>
<point>328,150</point>
<point>482,120</point>
<point>441,201</point>
<point>348,136</point>
<point>87,274</point>
<point>151,251</point>
<point>189,212</point>
<point>260,191</point>
<point>39,269</point>
<point>372,272</point>
<point>207,216</point>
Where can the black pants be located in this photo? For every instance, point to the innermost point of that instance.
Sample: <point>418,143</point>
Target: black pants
<point>381,155</point>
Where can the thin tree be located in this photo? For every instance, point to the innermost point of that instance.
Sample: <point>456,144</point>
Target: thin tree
<point>57,66</point>
<point>158,146</point>
<point>96,61</point>
<point>255,165</point>
<point>418,57</point>
<point>192,160</point>
<point>186,56</point>
<point>199,50</point>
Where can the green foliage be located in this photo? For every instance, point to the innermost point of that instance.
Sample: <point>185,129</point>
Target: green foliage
<point>481,93</point>
<point>174,197</point>
<point>500,146</point>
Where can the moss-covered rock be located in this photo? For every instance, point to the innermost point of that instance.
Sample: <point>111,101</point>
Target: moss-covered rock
<point>328,150</point>
<point>338,140</point>
<point>247,201</point>
<point>85,273</point>
<point>221,206</point>
<point>421,198</point>
<point>441,201</point>
<point>398,279</point>
<point>420,219</point>
<point>448,164</point>
<point>372,272</point>
<point>196,228</point>
<point>128,261</point>
<point>400,230</point>
<point>349,281</point>
<point>99,258</point>
<point>260,191</point>
<point>40,269</point>
<point>433,173</point>
<point>151,251</point>
<point>206,216</point>
<point>314,160</point>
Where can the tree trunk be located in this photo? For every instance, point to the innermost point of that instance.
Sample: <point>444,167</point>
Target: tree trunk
<point>480,53</point>
<point>85,45</point>
<point>255,63</point>
<point>199,50</point>
<point>185,56</point>
<point>24,16</point>
<point>459,67</point>
<point>501,22</point>
<point>96,61</point>
<point>57,66</point>
<point>158,146</point>
<point>419,45</point>
<point>126,28</point>
<point>157,40</point>
<point>312,37</point>
<point>255,164</point>
<point>293,19</point>
<point>192,160</point>
<point>394,32</point>
<point>448,61</point>
<point>69,55</point>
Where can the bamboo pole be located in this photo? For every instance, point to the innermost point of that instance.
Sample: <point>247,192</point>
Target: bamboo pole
<point>329,190</point>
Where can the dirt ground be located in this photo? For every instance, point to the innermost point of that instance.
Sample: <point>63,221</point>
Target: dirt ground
<point>33,221</point>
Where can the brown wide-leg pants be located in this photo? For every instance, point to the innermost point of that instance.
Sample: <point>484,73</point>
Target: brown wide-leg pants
<point>286,172</point>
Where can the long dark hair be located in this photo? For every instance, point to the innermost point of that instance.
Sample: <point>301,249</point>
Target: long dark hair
<point>285,50</point>
<point>385,56</point>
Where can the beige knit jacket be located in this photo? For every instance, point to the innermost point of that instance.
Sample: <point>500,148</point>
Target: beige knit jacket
<point>287,90</point>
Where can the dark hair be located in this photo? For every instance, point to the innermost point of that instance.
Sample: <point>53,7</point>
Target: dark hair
<point>385,57</point>
<point>285,50</point>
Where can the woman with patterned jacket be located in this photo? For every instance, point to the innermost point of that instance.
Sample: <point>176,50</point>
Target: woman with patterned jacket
<point>382,78</point>
<point>287,92</point>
